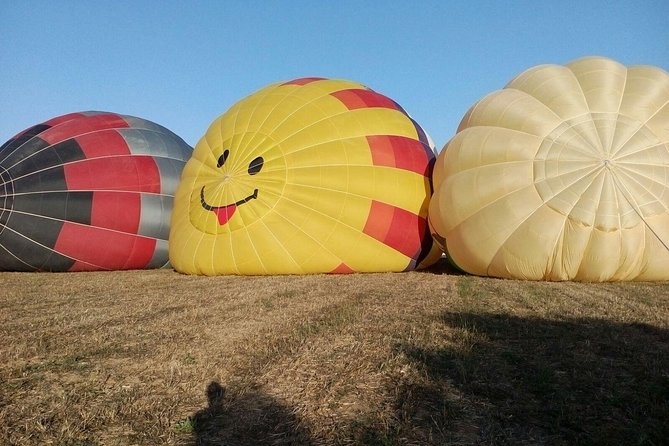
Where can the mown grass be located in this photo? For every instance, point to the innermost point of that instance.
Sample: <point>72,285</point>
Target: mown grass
<point>420,358</point>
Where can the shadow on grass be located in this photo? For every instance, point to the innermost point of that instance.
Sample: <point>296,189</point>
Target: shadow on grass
<point>497,380</point>
<point>443,267</point>
<point>245,418</point>
<point>536,381</point>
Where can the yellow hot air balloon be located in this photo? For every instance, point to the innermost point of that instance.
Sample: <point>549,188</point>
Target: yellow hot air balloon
<point>307,176</point>
<point>562,175</point>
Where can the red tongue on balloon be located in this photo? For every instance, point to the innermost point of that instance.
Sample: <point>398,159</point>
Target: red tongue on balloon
<point>225,213</point>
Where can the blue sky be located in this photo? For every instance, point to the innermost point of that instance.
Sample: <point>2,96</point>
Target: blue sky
<point>183,63</point>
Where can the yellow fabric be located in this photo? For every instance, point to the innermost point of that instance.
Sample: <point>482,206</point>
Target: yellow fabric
<point>314,191</point>
<point>562,175</point>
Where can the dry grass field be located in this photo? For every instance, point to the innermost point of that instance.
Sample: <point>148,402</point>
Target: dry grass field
<point>420,358</point>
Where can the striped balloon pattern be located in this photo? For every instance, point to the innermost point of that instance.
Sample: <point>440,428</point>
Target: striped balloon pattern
<point>88,191</point>
<point>308,176</point>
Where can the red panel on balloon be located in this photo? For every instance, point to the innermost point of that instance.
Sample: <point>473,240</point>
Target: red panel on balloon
<point>358,98</point>
<point>399,151</point>
<point>82,125</point>
<point>400,229</point>
<point>119,211</point>
<point>121,173</point>
<point>64,118</point>
<point>103,143</point>
<point>103,248</point>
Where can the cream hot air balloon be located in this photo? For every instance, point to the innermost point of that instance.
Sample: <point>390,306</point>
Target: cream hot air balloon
<point>307,176</point>
<point>562,175</point>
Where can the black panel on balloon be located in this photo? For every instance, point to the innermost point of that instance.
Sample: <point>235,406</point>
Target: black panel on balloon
<point>56,262</point>
<point>32,246</point>
<point>68,151</point>
<point>49,180</point>
<point>56,155</point>
<point>71,206</point>
<point>25,136</point>
<point>14,159</point>
<point>9,263</point>
<point>78,208</point>
<point>7,204</point>
<point>6,197</point>
<point>42,230</point>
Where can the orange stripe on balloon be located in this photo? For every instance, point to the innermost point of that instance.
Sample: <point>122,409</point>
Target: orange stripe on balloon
<point>400,152</point>
<point>342,269</point>
<point>356,98</point>
<point>303,81</point>
<point>378,220</point>
<point>398,228</point>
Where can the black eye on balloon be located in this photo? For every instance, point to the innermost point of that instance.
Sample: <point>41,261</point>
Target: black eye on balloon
<point>256,165</point>
<point>222,158</point>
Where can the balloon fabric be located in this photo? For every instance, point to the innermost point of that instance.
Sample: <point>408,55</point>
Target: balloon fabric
<point>88,191</point>
<point>307,176</point>
<point>561,175</point>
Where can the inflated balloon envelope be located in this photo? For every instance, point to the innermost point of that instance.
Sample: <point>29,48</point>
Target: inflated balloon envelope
<point>88,191</point>
<point>563,174</point>
<point>307,176</point>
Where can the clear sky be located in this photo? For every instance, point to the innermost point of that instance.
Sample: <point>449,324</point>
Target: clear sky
<point>183,63</point>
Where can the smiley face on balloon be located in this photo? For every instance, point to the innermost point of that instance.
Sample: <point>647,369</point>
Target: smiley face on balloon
<point>224,212</point>
<point>307,176</point>
<point>231,187</point>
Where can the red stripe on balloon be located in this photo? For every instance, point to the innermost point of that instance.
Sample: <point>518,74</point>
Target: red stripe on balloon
<point>356,98</point>
<point>120,173</point>
<point>119,250</point>
<point>103,143</point>
<point>303,81</point>
<point>119,211</point>
<point>398,228</point>
<point>84,124</point>
<point>342,269</point>
<point>400,152</point>
<point>64,118</point>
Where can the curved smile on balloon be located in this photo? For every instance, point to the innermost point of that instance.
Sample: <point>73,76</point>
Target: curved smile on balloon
<point>224,213</point>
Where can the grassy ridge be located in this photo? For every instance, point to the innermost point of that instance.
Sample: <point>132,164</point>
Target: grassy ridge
<point>155,357</point>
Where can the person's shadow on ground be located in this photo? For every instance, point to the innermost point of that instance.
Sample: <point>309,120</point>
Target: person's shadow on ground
<point>246,417</point>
